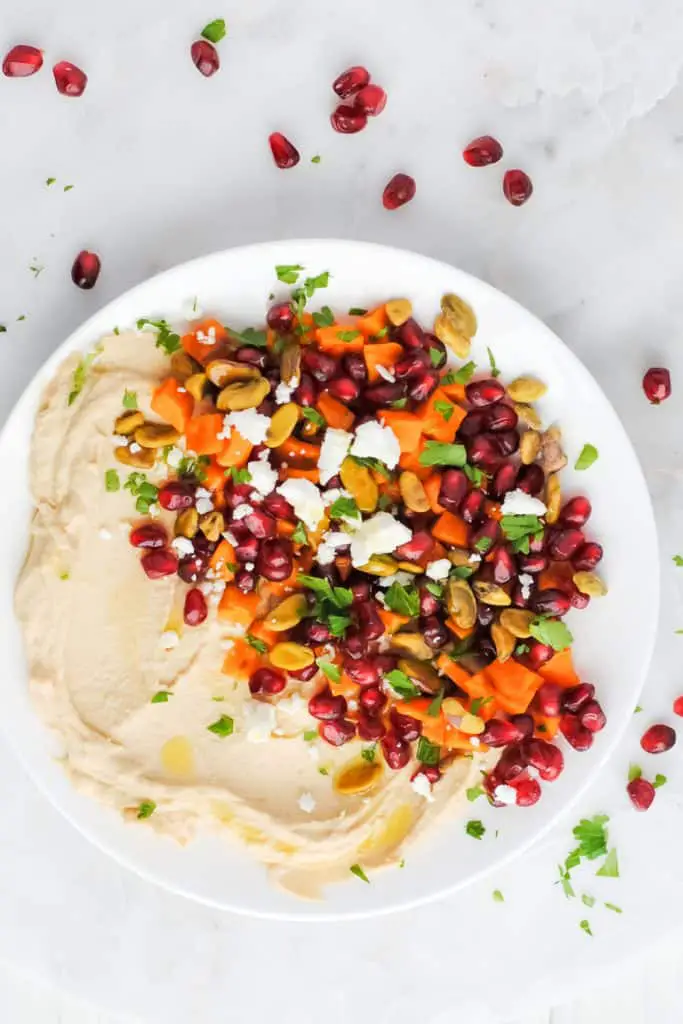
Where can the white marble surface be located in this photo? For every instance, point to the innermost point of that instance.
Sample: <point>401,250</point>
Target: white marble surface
<point>167,165</point>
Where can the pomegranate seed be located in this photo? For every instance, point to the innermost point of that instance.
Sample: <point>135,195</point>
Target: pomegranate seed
<point>205,57</point>
<point>551,602</point>
<point>355,367</point>
<point>411,334</point>
<point>528,792</point>
<point>370,728</point>
<point>517,187</point>
<point>396,751</point>
<point>350,81</point>
<point>453,489</point>
<point>512,762</point>
<point>678,706</point>
<point>193,568</point>
<point>247,550</point>
<point>587,557</point>
<point>482,151</point>
<point>429,605</point>
<point>369,621</point>
<point>472,507</point>
<point>319,364</point>
<point>576,697</point>
<point>371,99</point>
<point>306,393</point>
<point>372,700</point>
<point>576,512</point>
<point>592,716</point>
<point>423,384</point>
<point>435,633</point>
<point>487,531</point>
<point>280,318</point>
<point>354,643</point>
<point>657,384</point>
<point>275,560</point>
<point>407,728</point>
<point>473,424</point>
<point>658,739</point>
<point>338,732</point>
<point>578,600</point>
<point>499,417</point>
<point>399,191</point>
<point>284,153</point>
<point>430,772</point>
<point>504,480</point>
<point>545,757</point>
<point>22,61</point>
<point>530,479</point>
<point>86,269</point>
<point>344,389</point>
<point>195,610</point>
<point>150,535</point>
<point>549,698</point>
<point>326,707</point>
<point>245,581</point>
<point>159,563</point>
<point>503,565</point>
<point>386,663</point>
<point>576,735</point>
<point>385,394</point>
<point>485,614</point>
<point>69,79</point>
<point>251,356</point>
<point>362,671</point>
<point>532,564</point>
<point>260,524</point>
<point>500,733</point>
<point>642,793</point>
<point>419,546</point>
<point>539,654</point>
<point>565,543</point>
<point>268,681</point>
<point>348,120</point>
<point>278,506</point>
<point>484,392</point>
<point>484,451</point>
<point>507,441</point>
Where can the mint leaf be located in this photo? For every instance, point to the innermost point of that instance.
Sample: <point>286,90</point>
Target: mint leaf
<point>348,335</point>
<point>495,372</point>
<point>333,672</point>
<point>325,318</point>
<point>299,536</point>
<point>659,780</point>
<point>146,809</point>
<point>288,273</point>
<point>402,684</point>
<point>130,399</point>
<point>428,753</point>
<point>475,829</point>
<point>214,31</point>
<point>357,311</point>
<point>313,415</point>
<point>224,726</point>
<point>249,336</point>
<point>445,408</point>
<point>161,697</point>
<point>436,356</point>
<point>551,632</point>
<point>634,772</point>
<point>311,734</point>
<point>402,600</point>
<point>258,644</point>
<point>589,454</point>
<point>112,481</point>
<point>498,896</point>
<point>584,925</point>
<point>369,753</point>
<point>438,453</point>
<point>474,792</point>
<point>344,507</point>
<point>678,560</point>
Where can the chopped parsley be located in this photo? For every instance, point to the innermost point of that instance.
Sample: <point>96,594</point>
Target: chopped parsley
<point>519,529</point>
<point>344,507</point>
<point>475,829</point>
<point>146,809</point>
<point>375,464</point>
<point>36,268</point>
<point>332,672</point>
<point>161,697</point>
<point>166,338</point>
<point>474,474</point>
<point>566,882</point>
<point>50,181</point>
<point>340,597</point>
<point>588,455</point>
<point>402,600</point>
<point>338,624</point>
<point>634,772</point>
<point>435,589</point>
<point>249,336</point>
<point>678,560</point>
<point>659,780</point>
<point>214,31</point>
<point>313,415</point>
<point>445,408</point>
<point>310,735</point>
<point>478,703</point>
<point>474,792</point>
<point>436,356</point>
<point>112,481</point>
<point>130,399</point>
<point>80,373</point>
<point>614,907</point>
<point>145,493</point>
<point>299,535</point>
<point>495,372</point>
<point>323,770</point>
<point>369,753</point>
<point>522,649</point>
<point>498,896</point>
<point>592,837</point>
<point>551,632</point>
<point>357,870</point>
<point>402,684</point>
<point>439,453</point>
<point>224,726</point>
<point>434,709</point>
<point>357,311</point>
<point>462,572</point>
<point>462,376</point>
<point>316,159</point>
<point>239,476</point>
<point>325,318</point>
<point>428,753</point>
<point>67,188</point>
<point>483,544</point>
<point>288,273</point>
<point>400,403</point>
<point>610,867</point>
<point>348,335</point>
<point>585,926</point>
<point>3,329</point>
<point>588,901</point>
<point>258,644</point>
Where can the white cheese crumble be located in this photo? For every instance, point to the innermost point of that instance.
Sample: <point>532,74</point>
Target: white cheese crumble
<point>121,439</point>
<point>263,476</point>
<point>313,752</point>
<point>439,569</point>
<point>387,374</point>
<point>174,457</point>
<point>105,534</point>
<point>169,639</point>
<point>423,787</point>
<point>204,505</point>
<point>307,803</point>
<point>242,511</point>
<point>252,425</point>
<point>379,535</point>
<point>284,391</point>
<point>404,579</point>
<point>333,451</point>
<point>230,537</point>
<point>292,705</point>
<point>259,721</point>
<point>374,441</point>
<point>135,448</point>
<point>182,545</point>
<point>305,499</point>
<point>249,566</point>
<point>519,503</point>
<point>330,543</point>
<point>505,795</point>
<point>526,582</point>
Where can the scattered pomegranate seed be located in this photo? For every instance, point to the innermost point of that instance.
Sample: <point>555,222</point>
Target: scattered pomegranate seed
<point>587,557</point>
<point>284,153</point>
<point>549,697</point>
<point>658,739</point>
<point>69,79</point>
<point>399,191</point>
<point>350,81</point>
<point>576,697</point>
<point>348,120</point>
<point>575,734</point>
<point>267,681</point>
<point>372,699</point>
<point>370,728</point>
<point>275,560</point>
<point>260,524</point>
<point>484,392</point>
<point>657,384</point>
<point>396,751</point>
<point>517,187</point>
<point>149,535</point>
<point>175,496</point>
<point>641,792</point>
<point>22,61</point>
<point>511,763</point>
<point>678,706</point>
<point>159,563</point>
<point>338,732</point>
<point>195,609</point>
<point>528,792</point>
<point>545,757</point>
<point>482,151</point>
<point>371,99</point>
<point>205,57</point>
<point>500,733</point>
<point>86,269</point>
<point>405,726</point>
<point>592,717</point>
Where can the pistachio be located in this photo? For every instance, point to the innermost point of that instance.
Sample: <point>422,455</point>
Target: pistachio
<point>517,621</point>
<point>290,363</point>
<point>447,332</point>
<point>196,385</point>
<point>461,314</point>
<point>380,565</point>
<point>212,524</point>
<point>291,657</point>
<point>529,446</point>
<point>553,458</point>
<point>359,482</point>
<point>287,614</point>
<point>226,371</point>
<point>473,725</point>
<point>422,675</point>
<point>553,498</point>
<point>128,422</point>
<point>412,492</point>
<point>358,777</point>
<point>282,424</point>
<point>142,459</point>
<point>183,366</point>
<point>590,583</point>
<point>412,643</point>
<point>504,642</point>
<point>528,415</point>
<point>156,435</point>
<point>491,593</point>
<point>187,523</point>
<point>526,389</point>
<point>459,557</point>
<point>461,603</point>
<point>409,567</point>
<point>242,395</point>
<point>398,311</point>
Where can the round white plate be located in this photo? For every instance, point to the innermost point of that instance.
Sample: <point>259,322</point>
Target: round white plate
<point>613,639</point>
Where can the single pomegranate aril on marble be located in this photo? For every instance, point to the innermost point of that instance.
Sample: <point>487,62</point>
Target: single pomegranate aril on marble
<point>396,751</point>
<point>22,61</point>
<point>159,563</point>
<point>517,187</point>
<point>149,535</point>
<point>371,99</point>
<point>338,732</point>
<point>576,735</point>
<point>641,792</point>
<point>658,739</point>
<point>86,269</point>
<point>326,707</point>
<point>350,81</point>
<point>482,151</point>
<point>268,681</point>
<point>175,496</point>
<point>587,557</point>
<point>575,698</point>
<point>657,384</point>
<point>205,57</point>
<point>284,153</point>
<point>592,716</point>
<point>484,392</point>
<point>348,120</point>
<point>69,79</point>
<point>549,698</point>
<point>195,609</point>
<point>528,792</point>
<point>399,191</point>
<point>576,512</point>
<point>678,706</point>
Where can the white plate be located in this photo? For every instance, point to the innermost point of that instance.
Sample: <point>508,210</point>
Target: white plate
<point>614,638</point>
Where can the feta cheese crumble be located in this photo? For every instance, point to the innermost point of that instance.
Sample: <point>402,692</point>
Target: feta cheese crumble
<point>263,476</point>
<point>330,543</point>
<point>505,795</point>
<point>373,441</point>
<point>174,457</point>
<point>252,425</point>
<point>439,569</point>
<point>182,546</point>
<point>519,503</point>
<point>379,535</point>
<point>305,499</point>
<point>423,787</point>
<point>307,803</point>
<point>333,451</point>
<point>242,511</point>
<point>169,639</point>
<point>526,582</point>
<point>284,391</point>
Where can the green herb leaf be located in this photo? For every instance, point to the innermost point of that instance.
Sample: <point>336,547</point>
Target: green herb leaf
<point>589,454</point>
<point>445,408</point>
<point>428,753</point>
<point>130,399</point>
<point>522,649</point>
<point>325,318</point>
<point>634,772</point>
<point>240,476</point>
<point>344,507</point>
<point>435,589</point>
<point>64,575</point>
<point>498,896</point>
<point>462,572</point>
<point>50,181</point>
<point>584,925</point>
<point>166,338</point>
<point>341,597</point>
<point>475,829</point>
<point>614,907</point>
<point>436,356</point>
<point>323,770</point>
<point>591,836</point>
<point>214,31</point>
<point>67,188</point>
<point>112,481</point>
<point>678,560</point>
<point>495,372</point>
<point>474,792</point>
<point>518,530</point>
<point>439,453</point>
<point>311,734</point>
<point>256,643</point>
<point>565,882</point>
<point>400,403</point>
<point>338,624</point>
<point>161,697</point>
<point>357,870</point>
<point>659,780</point>
<point>462,376</point>
<point>402,684</point>
<point>312,284</point>
<point>357,311</point>
<point>333,672</point>
<point>3,329</point>
<point>551,632</point>
<point>313,415</point>
<point>249,336</point>
<point>316,159</point>
<point>478,703</point>
<point>369,753</point>
<point>299,535</point>
<point>382,333</point>
<point>637,709</point>
<point>224,726</point>
<point>218,698</point>
<point>461,648</point>
<point>483,544</point>
<point>146,809</point>
<point>80,373</point>
<point>375,464</point>
<point>348,335</point>
<point>588,901</point>
<point>434,709</point>
<point>288,273</point>
<point>402,600</point>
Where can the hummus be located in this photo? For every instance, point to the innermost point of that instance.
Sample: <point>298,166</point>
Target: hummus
<point>99,637</point>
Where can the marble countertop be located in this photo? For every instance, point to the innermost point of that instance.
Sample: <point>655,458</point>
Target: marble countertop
<point>166,165</point>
